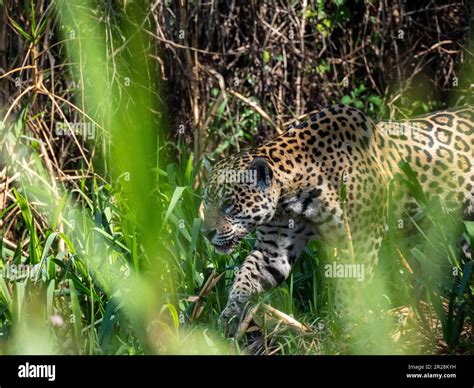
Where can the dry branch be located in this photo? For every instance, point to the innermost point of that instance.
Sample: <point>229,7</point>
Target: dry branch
<point>285,318</point>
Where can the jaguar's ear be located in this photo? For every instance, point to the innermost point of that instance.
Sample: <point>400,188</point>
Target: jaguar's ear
<point>208,162</point>
<point>262,174</point>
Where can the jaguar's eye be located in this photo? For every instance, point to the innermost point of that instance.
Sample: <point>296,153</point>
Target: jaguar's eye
<point>227,208</point>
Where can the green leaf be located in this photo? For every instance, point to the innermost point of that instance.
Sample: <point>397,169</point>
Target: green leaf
<point>57,211</point>
<point>17,27</point>
<point>33,19</point>
<point>49,297</point>
<point>19,297</point>
<point>174,200</point>
<point>111,239</point>
<point>171,174</point>
<point>470,231</point>
<point>68,242</point>
<point>108,322</point>
<point>466,274</point>
<point>5,292</point>
<point>374,99</point>
<point>346,100</point>
<point>412,182</point>
<point>342,188</point>
<point>28,218</point>
<point>323,67</point>
<point>76,312</point>
<point>47,245</point>
<point>266,56</point>
<point>195,234</point>
<point>189,169</point>
<point>173,313</point>
<point>215,92</point>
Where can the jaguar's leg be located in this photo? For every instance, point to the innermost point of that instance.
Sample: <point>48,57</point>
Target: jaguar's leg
<point>278,246</point>
<point>364,231</point>
<point>358,274</point>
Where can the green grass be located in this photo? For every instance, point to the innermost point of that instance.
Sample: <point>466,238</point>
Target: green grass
<point>102,286</point>
<point>109,263</point>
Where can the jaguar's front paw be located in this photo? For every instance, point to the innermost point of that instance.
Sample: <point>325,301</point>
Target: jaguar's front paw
<point>232,311</point>
<point>231,317</point>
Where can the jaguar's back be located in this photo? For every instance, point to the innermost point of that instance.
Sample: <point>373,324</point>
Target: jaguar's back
<point>439,148</point>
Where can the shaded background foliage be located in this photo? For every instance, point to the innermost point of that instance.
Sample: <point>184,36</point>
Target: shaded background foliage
<point>388,58</point>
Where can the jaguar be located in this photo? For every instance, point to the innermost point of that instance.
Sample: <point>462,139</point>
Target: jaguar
<point>326,179</point>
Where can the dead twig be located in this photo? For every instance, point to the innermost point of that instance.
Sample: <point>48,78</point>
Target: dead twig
<point>285,318</point>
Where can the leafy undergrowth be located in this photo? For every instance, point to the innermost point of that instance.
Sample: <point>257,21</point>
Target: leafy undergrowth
<point>87,287</point>
<point>101,250</point>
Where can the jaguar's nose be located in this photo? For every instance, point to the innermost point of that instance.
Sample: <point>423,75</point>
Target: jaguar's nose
<point>209,233</point>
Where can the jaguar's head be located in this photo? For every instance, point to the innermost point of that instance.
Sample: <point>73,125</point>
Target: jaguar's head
<point>241,194</point>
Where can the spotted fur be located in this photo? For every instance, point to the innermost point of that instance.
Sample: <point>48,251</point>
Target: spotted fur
<point>296,194</point>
